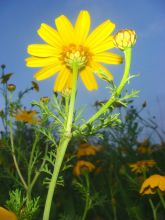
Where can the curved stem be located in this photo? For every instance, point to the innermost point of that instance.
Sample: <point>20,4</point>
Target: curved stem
<point>161,198</point>
<point>13,150</point>
<point>153,209</point>
<point>66,136</point>
<point>30,165</point>
<point>127,53</point>
<point>33,181</point>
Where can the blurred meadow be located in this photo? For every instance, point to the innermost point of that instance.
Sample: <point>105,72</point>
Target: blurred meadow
<point>70,150</point>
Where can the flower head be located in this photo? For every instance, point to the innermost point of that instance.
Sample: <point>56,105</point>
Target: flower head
<point>11,87</point>
<point>70,44</point>
<point>144,147</point>
<point>86,150</point>
<point>5,78</point>
<point>141,165</point>
<point>125,38</point>
<point>151,184</point>
<point>27,116</point>
<point>7,215</point>
<point>35,86</point>
<point>3,66</point>
<point>83,166</point>
<point>45,99</point>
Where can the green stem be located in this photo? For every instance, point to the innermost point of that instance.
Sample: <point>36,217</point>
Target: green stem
<point>39,170</point>
<point>62,146</point>
<point>154,210</point>
<point>6,103</point>
<point>30,165</point>
<point>161,198</point>
<point>87,198</point>
<point>13,150</point>
<point>127,53</point>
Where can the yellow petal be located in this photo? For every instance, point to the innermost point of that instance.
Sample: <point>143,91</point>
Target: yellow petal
<point>42,50</point>
<point>149,191</point>
<point>65,29</point>
<point>7,215</point>
<point>106,57</point>
<point>99,35</point>
<point>162,184</point>
<point>50,35</point>
<point>40,62</point>
<point>88,79</point>
<point>82,27</point>
<point>98,67</point>
<point>68,83</point>
<point>62,79</point>
<point>105,45</point>
<point>47,72</point>
<point>153,180</point>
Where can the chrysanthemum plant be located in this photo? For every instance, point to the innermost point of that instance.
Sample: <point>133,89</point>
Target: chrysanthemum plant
<point>73,52</point>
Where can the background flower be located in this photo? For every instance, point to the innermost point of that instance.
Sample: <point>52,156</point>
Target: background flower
<point>153,183</point>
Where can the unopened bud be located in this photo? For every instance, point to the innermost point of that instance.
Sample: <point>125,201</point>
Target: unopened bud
<point>11,87</point>
<point>45,99</point>
<point>144,104</point>
<point>3,66</point>
<point>2,114</point>
<point>66,92</point>
<point>35,86</point>
<point>124,39</point>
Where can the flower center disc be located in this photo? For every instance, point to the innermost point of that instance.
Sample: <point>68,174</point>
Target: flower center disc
<point>75,54</point>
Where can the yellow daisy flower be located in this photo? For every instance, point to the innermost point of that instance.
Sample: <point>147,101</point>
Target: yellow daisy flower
<point>141,165</point>
<point>27,116</point>
<point>69,44</point>
<point>87,150</point>
<point>7,215</point>
<point>144,147</point>
<point>83,166</point>
<point>151,184</point>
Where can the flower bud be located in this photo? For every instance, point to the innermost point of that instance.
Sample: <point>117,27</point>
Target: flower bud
<point>124,39</point>
<point>2,114</point>
<point>45,99</point>
<point>35,86</point>
<point>3,66</point>
<point>11,87</point>
<point>66,92</point>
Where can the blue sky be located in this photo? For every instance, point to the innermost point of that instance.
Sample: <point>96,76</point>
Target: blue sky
<point>20,19</point>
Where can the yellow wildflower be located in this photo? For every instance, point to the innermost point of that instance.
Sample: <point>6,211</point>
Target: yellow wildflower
<point>144,147</point>
<point>73,44</point>
<point>142,165</point>
<point>143,150</point>
<point>86,150</point>
<point>27,116</point>
<point>83,166</point>
<point>151,184</point>
<point>7,215</point>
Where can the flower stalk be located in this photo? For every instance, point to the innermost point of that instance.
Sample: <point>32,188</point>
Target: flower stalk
<point>128,54</point>
<point>62,146</point>
<point>161,198</point>
<point>13,149</point>
<point>87,197</point>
